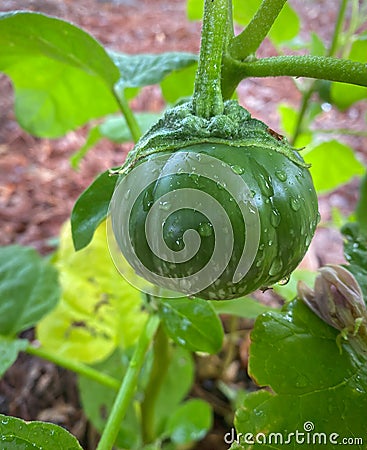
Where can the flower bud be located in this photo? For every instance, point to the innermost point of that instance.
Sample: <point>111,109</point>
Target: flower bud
<point>337,299</point>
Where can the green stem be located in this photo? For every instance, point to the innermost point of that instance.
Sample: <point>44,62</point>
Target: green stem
<point>129,116</point>
<point>128,385</point>
<point>75,366</point>
<point>247,42</point>
<point>161,361</point>
<point>338,28</point>
<point>319,67</point>
<point>207,98</point>
<point>331,52</point>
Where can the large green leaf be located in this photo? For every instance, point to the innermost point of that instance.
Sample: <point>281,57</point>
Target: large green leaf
<point>16,434</point>
<point>28,288</point>
<point>179,84</point>
<point>192,323</point>
<point>91,209</point>
<point>98,311</point>
<point>316,387</point>
<point>332,164</point>
<point>9,349</point>
<point>62,76</point>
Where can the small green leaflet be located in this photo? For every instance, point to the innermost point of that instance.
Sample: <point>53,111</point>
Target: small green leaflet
<point>17,434</point>
<point>29,288</point>
<point>9,349</point>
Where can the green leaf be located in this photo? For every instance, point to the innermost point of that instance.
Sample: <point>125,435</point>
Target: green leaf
<point>28,288</point>
<point>114,128</point>
<point>91,209</point>
<point>340,161</point>
<point>97,401</point>
<point>176,385</point>
<point>245,307</point>
<point>16,434</point>
<point>355,252</point>
<point>58,85</point>
<point>179,84</point>
<point>296,354</point>
<point>146,69</point>
<point>98,311</point>
<point>9,349</point>
<point>192,323</point>
<point>345,95</point>
<point>190,422</point>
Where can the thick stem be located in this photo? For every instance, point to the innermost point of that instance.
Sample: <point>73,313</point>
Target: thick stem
<point>74,366</point>
<point>207,99</point>
<point>247,42</point>
<point>128,385</point>
<point>319,67</point>
<point>161,359</point>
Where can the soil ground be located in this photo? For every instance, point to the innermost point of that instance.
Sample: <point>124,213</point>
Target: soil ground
<point>38,187</point>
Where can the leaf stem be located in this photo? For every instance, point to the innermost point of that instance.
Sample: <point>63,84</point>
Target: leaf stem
<point>75,366</point>
<point>249,40</point>
<point>129,116</point>
<point>128,385</point>
<point>319,67</point>
<point>207,98</point>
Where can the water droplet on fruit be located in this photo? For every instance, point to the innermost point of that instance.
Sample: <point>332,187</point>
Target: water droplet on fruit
<point>237,169</point>
<point>275,267</point>
<point>205,229</point>
<point>295,204</point>
<point>282,176</point>
<point>147,201</point>
<point>275,218</point>
<point>284,280</point>
<point>164,205</point>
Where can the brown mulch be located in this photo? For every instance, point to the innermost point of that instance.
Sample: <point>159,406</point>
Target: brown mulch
<point>38,187</point>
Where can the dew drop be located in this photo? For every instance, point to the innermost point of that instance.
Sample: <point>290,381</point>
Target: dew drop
<point>147,201</point>
<point>284,280</point>
<point>237,169</point>
<point>295,204</point>
<point>275,218</point>
<point>205,229</point>
<point>164,205</point>
<point>282,176</point>
<point>275,267</point>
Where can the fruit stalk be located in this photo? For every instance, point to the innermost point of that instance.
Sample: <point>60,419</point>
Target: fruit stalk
<point>207,98</point>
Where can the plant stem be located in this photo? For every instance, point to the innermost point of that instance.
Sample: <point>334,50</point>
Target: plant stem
<point>129,116</point>
<point>160,365</point>
<point>128,385</point>
<point>319,67</point>
<point>207,98</point>
<point>75,366</point>
<point>306,97</point>
<point>247,42</point>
